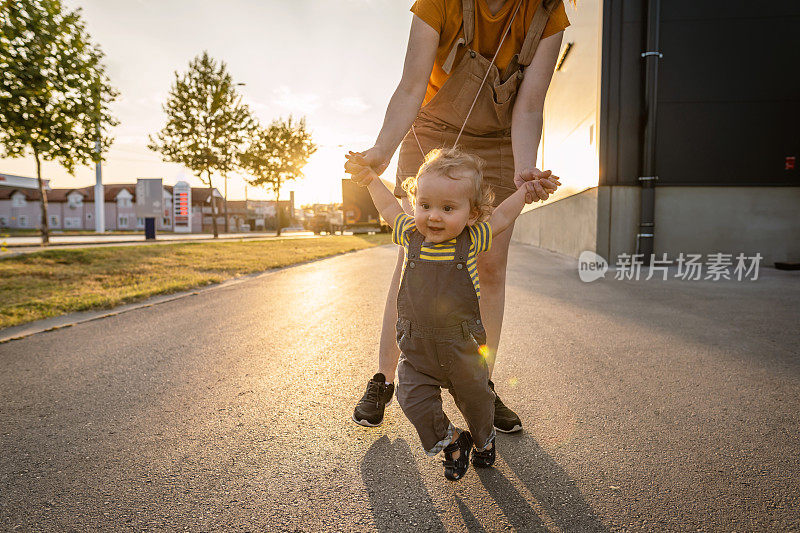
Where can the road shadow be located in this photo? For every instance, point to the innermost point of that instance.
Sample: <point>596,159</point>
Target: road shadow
<point>553,490</point>
<point>472,524</point>
<point>398,498</point>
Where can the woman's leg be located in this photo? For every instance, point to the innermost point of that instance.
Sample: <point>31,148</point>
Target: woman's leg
<point>369,409</point>
<point>492,277</point>
<point>388,352</point>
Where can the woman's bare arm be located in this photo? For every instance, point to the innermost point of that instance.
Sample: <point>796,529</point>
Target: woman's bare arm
<point>527,116</point>
<point>407,98</point>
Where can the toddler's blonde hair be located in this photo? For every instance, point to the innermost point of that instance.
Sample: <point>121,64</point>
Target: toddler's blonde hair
<point>456,164</point>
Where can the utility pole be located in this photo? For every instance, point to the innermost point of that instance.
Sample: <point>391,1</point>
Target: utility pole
<point>240,84</point>
<point>99,205</point>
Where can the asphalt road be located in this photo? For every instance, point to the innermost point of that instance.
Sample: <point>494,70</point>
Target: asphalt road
<point>648,406</point>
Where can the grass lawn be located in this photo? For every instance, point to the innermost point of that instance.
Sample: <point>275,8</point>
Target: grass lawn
<point>55,282</point>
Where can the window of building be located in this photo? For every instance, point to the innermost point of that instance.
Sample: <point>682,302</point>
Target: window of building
<point>74,200</point>
<point>122,222</point>
<point>139,222</point>
<point>72,222</point>
<point>3,222</point>
<point>165,221</point>
<point>23,221</point>
<point>18,200</point>
<point>54,220</point>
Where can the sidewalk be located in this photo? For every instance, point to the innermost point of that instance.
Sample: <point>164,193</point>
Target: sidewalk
<point>19,245</point>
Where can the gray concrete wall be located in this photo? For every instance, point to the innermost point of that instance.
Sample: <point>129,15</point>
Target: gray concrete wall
<point>567,226</point>
<point>618,210</point>
<point>702,220</point>
<point>729,220</point>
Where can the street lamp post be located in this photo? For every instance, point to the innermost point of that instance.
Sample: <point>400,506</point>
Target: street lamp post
<point>225,178</point>
<point>99,205</point>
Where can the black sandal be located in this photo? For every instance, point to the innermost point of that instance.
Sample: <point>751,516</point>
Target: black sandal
<point>454,469</point>
<point>485,458</point>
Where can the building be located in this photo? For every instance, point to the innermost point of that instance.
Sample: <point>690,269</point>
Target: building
<point>73,209</point>
<point>676,123</point>
<point>238,216</point>
<point>16,193</point>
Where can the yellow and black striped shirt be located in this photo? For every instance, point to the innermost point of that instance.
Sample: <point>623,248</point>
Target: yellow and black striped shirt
<point>480,235</point>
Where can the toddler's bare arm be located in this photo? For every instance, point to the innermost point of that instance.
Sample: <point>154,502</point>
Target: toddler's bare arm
<point>508,211</point>
<point>385,202</point>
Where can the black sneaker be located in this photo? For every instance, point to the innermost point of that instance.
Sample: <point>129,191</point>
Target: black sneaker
<point>505,419</point>
<point>369,410</point>
<point>454,469</point>
<point>485,458</point>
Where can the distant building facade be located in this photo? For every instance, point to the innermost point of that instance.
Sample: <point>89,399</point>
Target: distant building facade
<point>73,209</point>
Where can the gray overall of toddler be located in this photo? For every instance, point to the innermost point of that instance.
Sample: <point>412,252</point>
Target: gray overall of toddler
<point>439,333</point>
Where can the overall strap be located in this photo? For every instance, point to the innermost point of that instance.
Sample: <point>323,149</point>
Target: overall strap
<point>468,21</point>
<point>468,16</point>
<point>535,30</point>
<point>463,244</point>
<point>415,240</point>
<point>488,70</point>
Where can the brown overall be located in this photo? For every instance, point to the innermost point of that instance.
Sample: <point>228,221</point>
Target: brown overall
<point>439,332</point>
<point>485,116</point>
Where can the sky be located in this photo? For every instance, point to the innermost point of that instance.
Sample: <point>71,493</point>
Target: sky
<point>336,62</point>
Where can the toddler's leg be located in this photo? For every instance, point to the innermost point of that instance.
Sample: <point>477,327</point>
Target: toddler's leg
<point>420,397</point>
<point>470,389</point>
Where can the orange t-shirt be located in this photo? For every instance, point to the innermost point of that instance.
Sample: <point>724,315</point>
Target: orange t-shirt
<point>445,17</point>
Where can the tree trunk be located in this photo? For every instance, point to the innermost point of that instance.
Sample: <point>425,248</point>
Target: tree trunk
<point>45,229</point>
<point>278,217</point>
<point>225,204</point>
<point>213,208</point>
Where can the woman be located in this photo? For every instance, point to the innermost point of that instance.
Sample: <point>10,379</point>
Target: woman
<point>476,74</point>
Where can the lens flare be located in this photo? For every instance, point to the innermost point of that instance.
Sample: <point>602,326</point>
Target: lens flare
<point>512,382</point>
<point>485,351</point>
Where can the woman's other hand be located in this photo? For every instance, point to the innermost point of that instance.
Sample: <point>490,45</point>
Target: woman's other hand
<point>544,183</point>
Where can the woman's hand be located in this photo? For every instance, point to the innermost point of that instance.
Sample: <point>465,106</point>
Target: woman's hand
<point>544,183</point>
<point>374,157</point>
<point>360,172</point>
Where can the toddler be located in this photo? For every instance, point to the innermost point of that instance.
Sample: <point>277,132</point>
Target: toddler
<point>439,330</point>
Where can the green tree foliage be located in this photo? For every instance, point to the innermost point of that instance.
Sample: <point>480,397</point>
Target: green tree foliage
<point>55,95</point>
<point>206,123</point>
<point>278,154</point>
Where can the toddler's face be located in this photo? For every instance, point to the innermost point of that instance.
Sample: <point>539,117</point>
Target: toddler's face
<point>442,207</point>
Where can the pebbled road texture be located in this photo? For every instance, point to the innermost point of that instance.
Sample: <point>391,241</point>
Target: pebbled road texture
<point>648,406</point>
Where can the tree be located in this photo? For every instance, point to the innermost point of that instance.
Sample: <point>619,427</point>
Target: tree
<point>206,121</point>
<point>54,93</point>
<point>278,154</point>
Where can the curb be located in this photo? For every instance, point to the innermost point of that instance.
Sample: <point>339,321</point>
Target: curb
<point>143,241</point>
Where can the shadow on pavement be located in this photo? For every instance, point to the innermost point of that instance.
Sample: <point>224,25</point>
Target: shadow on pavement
<point>473,526</point>
<point>556,493</point>
<point>398,499</point>
<point>516,509</point>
